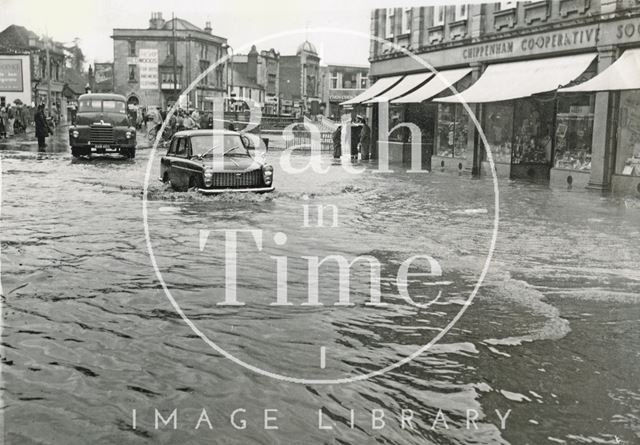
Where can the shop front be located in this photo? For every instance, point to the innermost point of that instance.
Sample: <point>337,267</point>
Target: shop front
<point>542,116</point>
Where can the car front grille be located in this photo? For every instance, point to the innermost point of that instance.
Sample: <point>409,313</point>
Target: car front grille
<point>237,180</point>
<point>100,134</point>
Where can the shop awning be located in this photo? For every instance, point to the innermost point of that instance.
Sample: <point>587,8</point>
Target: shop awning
<point>623,74</point>
<point>514,80</point>
<point>379,87</point>
<point>438,83</point>
<point>407,84</point>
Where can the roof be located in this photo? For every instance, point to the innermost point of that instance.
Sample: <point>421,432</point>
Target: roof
<point>103,96</point>
<point>307,47</point>
<point>16,36</point>
<point>240,79</point>
<point>181,24</point>
<point>168,61</point>
<point>75,81</point>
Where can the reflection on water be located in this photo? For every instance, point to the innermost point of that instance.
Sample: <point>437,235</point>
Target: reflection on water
<point>89,335</point>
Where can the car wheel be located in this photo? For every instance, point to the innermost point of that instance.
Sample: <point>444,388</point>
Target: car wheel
<point>76,152</point>
<point>165,177</point>
<point>130,153</point>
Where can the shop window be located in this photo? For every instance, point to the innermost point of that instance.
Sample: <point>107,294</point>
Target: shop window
<point>574,129</point>
<point>533,128</point>
<point>453,129</point>
<point>498,128</point>
<point>438,15</point>
<point>461,12</point>
<point>396,116</point>
<point>628,153</point>
<point>388,27</point>
<point>406,20</point>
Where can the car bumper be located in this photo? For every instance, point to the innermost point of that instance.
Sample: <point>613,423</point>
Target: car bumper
<point>236,190</point>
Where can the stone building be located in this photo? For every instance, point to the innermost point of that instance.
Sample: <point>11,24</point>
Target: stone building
<point>341,83</point>
<point>512,61</point>
<point>152,66</point>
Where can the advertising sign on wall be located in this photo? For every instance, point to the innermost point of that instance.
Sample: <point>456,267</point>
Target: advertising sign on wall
<point>148,68</point>
<point>11,75</point>
<point>104,77</point>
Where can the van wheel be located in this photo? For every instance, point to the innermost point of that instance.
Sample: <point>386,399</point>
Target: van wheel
<point>165,177</point>
<point>76,152</point>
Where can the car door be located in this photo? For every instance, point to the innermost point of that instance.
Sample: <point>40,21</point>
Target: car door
<point>165,161</point>
<point>178,168</point>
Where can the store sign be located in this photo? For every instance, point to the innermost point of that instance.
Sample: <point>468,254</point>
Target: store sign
<point>580,38</point>
<point>11,75</point>
<point>148,68</point>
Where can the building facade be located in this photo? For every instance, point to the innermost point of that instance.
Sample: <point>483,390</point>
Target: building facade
<point>31,68</point>
<point>341,83</point>
<point>510,61</point>
<point>299,82</point>
<point>256,76</point>
<point>152,66</point>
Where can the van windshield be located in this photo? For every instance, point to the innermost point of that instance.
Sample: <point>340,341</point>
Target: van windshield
<point>99,105</point>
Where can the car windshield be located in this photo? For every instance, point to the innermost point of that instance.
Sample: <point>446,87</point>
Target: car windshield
<point>228,145</point>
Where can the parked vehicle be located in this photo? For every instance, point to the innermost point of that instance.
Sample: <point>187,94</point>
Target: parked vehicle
<point>102,125</point>
<point>215,161</point>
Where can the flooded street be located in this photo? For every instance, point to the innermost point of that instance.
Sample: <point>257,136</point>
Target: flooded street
<point>547,352</point>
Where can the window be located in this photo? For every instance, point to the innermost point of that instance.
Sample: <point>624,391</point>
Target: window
<point>506,4</point>
<point>204,52</point>
<point>628,153</point>
<point>574,129</point>
<point>406,20</point>
<point>453,129</point>
<point>113,106</point>
<point>532,130</point>
<point>349,81</point>
<point>438,15</point>
<point>172,48</point>
<point>132,73</point>
<point>334,80</point>
<point>181,147</point>
<point>461,12</point>
<point>132,48</point>
<point>364,80</point>
<point>389,23</point>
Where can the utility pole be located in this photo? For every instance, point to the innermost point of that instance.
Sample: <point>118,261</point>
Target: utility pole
<point>48,73</point>
<point>175,56</point>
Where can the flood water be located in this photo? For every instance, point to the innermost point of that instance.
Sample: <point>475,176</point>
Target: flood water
<point>90,335</point>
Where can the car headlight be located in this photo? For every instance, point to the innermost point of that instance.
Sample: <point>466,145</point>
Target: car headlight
<point>208,178</point>
<point>267,174</point>
<point>75,133</point>
<point>128,135</point>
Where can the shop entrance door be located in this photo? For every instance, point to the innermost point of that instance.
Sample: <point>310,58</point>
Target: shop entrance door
<point>533,131</point>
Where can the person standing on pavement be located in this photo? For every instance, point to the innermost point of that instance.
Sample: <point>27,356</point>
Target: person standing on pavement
<point>42,127</point>
<point>365,141</point>
<point>3,122</point>
<point>337,142</point>
<point>11,119</point>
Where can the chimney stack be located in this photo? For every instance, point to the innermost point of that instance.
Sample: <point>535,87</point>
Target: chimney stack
<point>156,20</point>
<point>207,27</point>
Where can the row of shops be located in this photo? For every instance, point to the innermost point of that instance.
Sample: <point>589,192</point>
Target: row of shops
<point>560,106</point>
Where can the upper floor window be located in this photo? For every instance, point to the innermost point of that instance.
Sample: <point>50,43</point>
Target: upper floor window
<point>406,20</point>
<point>204,52</point>
<point>461,12</point>
<point>132,73</point>
<point>334,80</point>
<point>132,48</point>
<point>364,79</point>
<point>438,15</point>
<point>506,4</point>
<point>172,48</point>
<point>388,27</point>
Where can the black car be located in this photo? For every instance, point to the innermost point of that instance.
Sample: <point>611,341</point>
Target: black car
<point>214,161</point>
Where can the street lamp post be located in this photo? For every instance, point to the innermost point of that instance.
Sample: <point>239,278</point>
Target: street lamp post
<point>228,47</point>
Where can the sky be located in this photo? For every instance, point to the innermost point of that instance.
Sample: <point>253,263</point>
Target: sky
<point>242,22</point>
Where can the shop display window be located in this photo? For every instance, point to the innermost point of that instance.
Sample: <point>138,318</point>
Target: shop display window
<point>498,128</point>
<point>453,129</point>
<point>628,153</point>
<point>574,129</point>
<point>397,116</point>
<point>533,128</point>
